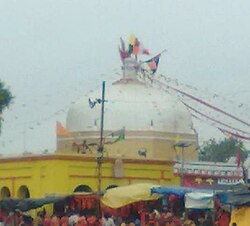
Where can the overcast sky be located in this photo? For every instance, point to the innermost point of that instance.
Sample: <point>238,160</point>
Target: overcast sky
<point>53,52</point>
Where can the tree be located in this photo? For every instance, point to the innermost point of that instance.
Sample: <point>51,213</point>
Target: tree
<point>221,151</point>
<point>5,100</point>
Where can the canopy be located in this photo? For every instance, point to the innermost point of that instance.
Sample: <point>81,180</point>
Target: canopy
<point>180,191</point>
<point>122,196</point>
<point>235,198</point>
<point>28,204</point>
<point>10,205</point>
<point>199,200</point>
<point>240,216</point>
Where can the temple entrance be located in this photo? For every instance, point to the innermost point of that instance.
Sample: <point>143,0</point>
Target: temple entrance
<point>83,188</point>
<point>5,192</point>
<point>23,192</point>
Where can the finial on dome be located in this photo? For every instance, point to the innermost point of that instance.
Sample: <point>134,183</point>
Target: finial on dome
<point>129,56</point>
<point>130,68</point>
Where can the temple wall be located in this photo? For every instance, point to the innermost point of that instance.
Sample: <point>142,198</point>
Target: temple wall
<point>159,145</point>
<point>62,174</point>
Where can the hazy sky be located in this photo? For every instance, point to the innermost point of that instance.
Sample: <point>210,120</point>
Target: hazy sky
<point>53,52</point>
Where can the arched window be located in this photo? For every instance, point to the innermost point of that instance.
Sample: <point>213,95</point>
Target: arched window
<point>111,186</point>
<point>5,192</point>
<point>23,192</point>
<point>83,188</point>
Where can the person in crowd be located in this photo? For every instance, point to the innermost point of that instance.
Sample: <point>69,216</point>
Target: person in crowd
<point>64,221</point>
<point>46,220</point>
<point>208,221</point>
<point>27,220</point>
<point>82,220</point>
<point>55,221</point>
<point>92,221</point>
<point>137,220</point>
<point>39,220</point>
<point>189,222</point>
<point>73,219</point>
<point>201,221</point>
<point>224,218</point>
<point>107,220</point>
<point>10,220</point>
<point>1,222</point>
<point>176,221</point>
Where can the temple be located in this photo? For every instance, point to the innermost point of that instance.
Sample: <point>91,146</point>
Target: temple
<point>151,121</point>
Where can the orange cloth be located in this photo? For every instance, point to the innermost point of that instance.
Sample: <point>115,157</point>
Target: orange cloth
<point>61,131</point>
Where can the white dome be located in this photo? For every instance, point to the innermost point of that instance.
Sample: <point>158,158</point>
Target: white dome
<point>132,105</point>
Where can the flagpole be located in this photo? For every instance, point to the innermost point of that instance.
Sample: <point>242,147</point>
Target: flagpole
<point>100,149</point>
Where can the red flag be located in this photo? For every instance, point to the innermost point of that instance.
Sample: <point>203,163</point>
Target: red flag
<point>123,54</point>
<point>138,48</point>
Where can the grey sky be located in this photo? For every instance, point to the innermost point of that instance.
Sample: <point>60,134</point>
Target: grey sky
<point>53,52</point>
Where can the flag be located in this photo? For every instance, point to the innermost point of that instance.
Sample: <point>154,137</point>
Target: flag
<point>122,45</point>
<point>144,51</point>
<point>61,131</point>
<point>131,44</point>
<point>139,48</point>
<point>120,138</point>
<point>153,63</point>
<point>135,47</point>
<point>123,54</point>
<point>120,134</point>
<point>122,50</point>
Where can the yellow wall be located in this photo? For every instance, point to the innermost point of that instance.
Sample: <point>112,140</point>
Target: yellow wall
<point>159,145</point>
<point>61,174</point>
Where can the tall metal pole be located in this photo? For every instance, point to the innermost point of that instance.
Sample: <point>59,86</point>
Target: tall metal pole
<point>182,165</point>
<point>102,114</point>
<point>182,145</point>
<point>100,150</point>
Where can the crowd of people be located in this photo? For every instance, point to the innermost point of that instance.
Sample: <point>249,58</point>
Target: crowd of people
<point>132,215</point>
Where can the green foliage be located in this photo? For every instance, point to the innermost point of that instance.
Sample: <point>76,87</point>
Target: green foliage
<point>221,151</point>
<point>5,99</point>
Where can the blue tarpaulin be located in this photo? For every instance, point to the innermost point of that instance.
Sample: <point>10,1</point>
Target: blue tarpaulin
<point>180,191</point>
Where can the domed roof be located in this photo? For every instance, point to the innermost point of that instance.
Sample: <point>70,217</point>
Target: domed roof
<point>133,105</point>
